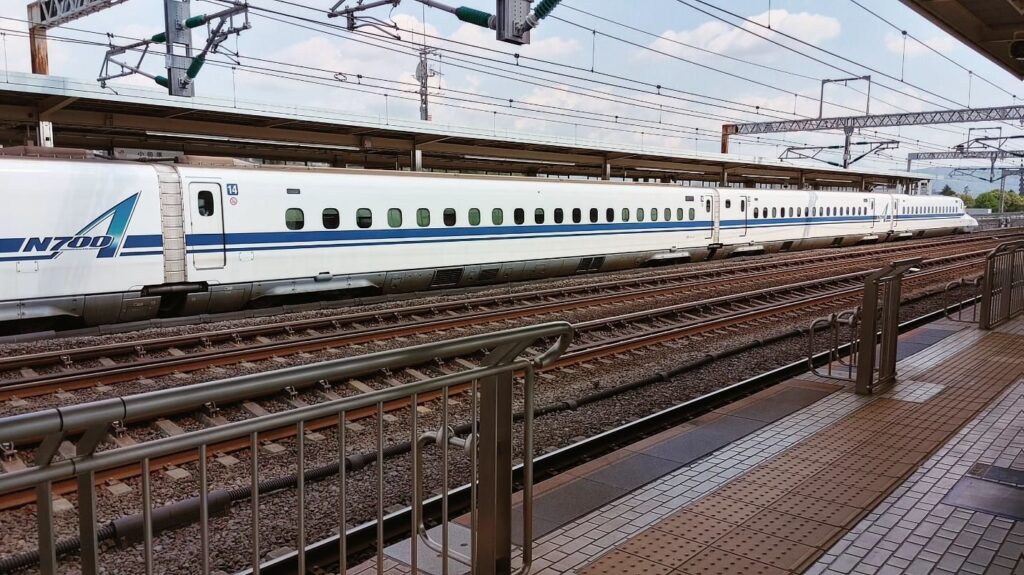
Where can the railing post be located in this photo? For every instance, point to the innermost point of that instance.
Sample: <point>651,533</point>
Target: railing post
<point>1002,296</point>
<point>494,540</point>
<point>87,522</point>
<point>882,294</point>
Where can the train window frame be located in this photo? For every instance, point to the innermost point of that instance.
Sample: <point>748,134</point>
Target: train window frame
<point>654,214</point>
<point>364,218</point>
<point>519,216</point>
<point>728,204</point>
<point>538,216</point>
<point>293,223</point>
<point>593,215</point>
<point>625,214</point>
<point>449,217</point>
<point>330,213</point>
<point>640,214</point>
<point>680,214</point>
<point>394,217</point>
<point>497,216</point>
<point>577,215</point>
<point>693,214</point>
<point>473,216</point>
<point>204,203</point>
<point>423,217</point>
<point>668,214</point>
<point>559,215</point>
<point>609,215</point>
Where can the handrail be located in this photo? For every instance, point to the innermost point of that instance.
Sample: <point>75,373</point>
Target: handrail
<point>489,442</point>
<point>1002,294</point>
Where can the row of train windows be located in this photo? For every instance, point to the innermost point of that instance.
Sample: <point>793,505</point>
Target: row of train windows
<point>811,212</point>
<point>295,218</point>
<point>928,210</point>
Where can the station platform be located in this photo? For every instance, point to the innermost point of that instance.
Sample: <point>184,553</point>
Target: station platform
<point>808,477</point>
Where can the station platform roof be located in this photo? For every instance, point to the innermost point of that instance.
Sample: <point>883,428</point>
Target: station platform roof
<point>987,26</point>
<point>85,116</point>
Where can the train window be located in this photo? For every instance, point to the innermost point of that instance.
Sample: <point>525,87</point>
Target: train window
<point>790,212</point>
<point>743,205</point>
<point>689,198</point>
<point>693,214</point>
<point>577,215</point>
<point>799,212</point>
<point>395,218</point>
<point>497,216</point>
<point>448,216</point>
<point>474,217</point>
<point>609,215</point>
<point>668,214</point>
<point>330,218</point>
<point>639,214</point>
<point>654,214</point>
<point>757,213</point>
<point>204,203</point>
<point>559,215</point>
<point>593,215</point>
<point>625,214</point>
<point>294,219</point>
<point>774,212</point>
<point>538,216</point>
<point>519,216</point>
<point>364,217</point>
<point>728,203</point>
<point>707,206</point>
<point>423,217</point>
<point>679,214</point>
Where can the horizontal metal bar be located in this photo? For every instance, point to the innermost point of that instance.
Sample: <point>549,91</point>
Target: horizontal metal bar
<point>77,418</point>
<point>132,454</point>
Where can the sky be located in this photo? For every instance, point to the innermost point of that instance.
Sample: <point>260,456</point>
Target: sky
<point>658,73</point>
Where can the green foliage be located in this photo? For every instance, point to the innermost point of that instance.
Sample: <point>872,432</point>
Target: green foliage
<point>947,191</point>
<point>1014,202</point>
<point>967,199</point>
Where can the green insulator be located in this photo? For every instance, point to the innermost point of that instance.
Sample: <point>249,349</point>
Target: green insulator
<point>163,81</point>
<point>195,21</point>
<point>197,64</point>
<point>545,7</point>
<point>159,38</point>
<point>473,16</point>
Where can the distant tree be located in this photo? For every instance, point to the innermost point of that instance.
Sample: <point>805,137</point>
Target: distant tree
<point>990,200</point>
<point>947,191</point>
<point>967,199</point>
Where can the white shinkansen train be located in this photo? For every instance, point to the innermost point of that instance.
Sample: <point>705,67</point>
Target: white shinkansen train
<point>101,241</point>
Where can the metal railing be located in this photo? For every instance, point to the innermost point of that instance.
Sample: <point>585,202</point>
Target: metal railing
<point>1002,294</point>
<point>872,333</point>
<point>954,301</point>
<point>837,362</point>
<point>489,446</point>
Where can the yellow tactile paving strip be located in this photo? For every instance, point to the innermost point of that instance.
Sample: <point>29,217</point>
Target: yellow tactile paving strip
<point>782,515</point>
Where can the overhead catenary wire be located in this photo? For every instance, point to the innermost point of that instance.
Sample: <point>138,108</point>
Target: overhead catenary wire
<point>375,38</point>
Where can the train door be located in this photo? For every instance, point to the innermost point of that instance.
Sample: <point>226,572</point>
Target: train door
<point>744,207</point>
<point>708,204</point>
<point>893,217</point>
<point>207,233</point>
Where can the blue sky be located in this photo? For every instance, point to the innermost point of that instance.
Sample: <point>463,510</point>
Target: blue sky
<point>477,72</point>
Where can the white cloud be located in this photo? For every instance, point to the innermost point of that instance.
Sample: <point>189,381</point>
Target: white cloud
<point>943,44</point>
<point>727,39</point>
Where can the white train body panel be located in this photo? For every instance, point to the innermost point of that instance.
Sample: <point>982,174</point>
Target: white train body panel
<point>116,241</point>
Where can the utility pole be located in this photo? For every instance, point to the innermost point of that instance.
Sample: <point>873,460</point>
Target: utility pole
<point>423,74</point>
<point>1002,193</point>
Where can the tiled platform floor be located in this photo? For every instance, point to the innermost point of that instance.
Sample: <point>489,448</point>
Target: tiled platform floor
<point>848,484</point>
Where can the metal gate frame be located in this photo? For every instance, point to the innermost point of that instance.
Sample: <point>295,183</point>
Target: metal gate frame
<point>881,312</point>
<point>1002,294</point>
<point>89,423</point>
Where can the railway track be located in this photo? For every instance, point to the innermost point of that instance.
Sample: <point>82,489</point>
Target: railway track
<point>636,331</point>
<point>75,369</point>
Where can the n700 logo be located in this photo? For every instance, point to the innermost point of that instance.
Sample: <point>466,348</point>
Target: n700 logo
<point>59,243</point>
